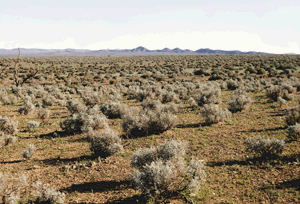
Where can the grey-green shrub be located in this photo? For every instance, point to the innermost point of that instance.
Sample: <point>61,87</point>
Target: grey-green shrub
<point>74,106</point>
<point>292,115</point>
<point>43,114</point>
<point>275,91</point>
<point>10,187</point>
<point>6,139</point>
<point>146,122</point>
<point>32,124</point>
<point>106,143</point>
<point>281,102</point>
<point>214,114</point>
<point>208,96</point>
<point>85,121</point>
<point>162,170</point>
<point>28,153</point>
<point>27,108</point>
<point>45,194</point>
<point>294,131</point>
<point>8,126</point>
<point>239,102</point>
<point>262,146</point>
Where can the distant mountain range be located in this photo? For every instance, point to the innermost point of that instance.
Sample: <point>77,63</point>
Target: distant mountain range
<point>122,52</point>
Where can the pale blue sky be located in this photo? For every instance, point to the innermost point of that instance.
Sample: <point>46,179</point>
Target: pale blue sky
<point>267,26</point>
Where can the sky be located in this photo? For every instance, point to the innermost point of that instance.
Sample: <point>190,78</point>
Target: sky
<point>248,25</point>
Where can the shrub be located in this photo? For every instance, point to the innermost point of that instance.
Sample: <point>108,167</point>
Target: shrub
<point>168,96</point>
<point>239,102</point>
<point>214,114</point>
<point>106,143</point>
<point>208,96</point>
<point>92,119</point>
<point>6,139</point>
<point>45,194</point>
<point>10,188</point>
<point>112,109</point>
<point>74,106</point>
<point>8,126</point>
<point>292,115</point>
<point>275,91</point>
<point>294,131</point>
<point>281,102</point>
<point>264,147</point>
<point>27,108</point>
<point>14,100</point>
<point>49,100</point>
<point>43,114</point>
<point>146,122</point>
<point>162,171</point>
<point>192,102</point>
<point>32,124</point>
<point>27,153</point>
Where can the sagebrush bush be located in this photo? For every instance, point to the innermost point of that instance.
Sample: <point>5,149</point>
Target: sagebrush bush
<point>192,102</point>
<point>292,115</point>
<point>74,106</point>
<point>162,171</point>
<point>145,122</point>
<point>49,100</point>
<point>262,146</point>
<point>281,102</point>
<point>275,91</point>
<point>208,96</point>
<point>43,114</point>
<point>84,121</point>
<point>112,109</point>
<point>106,143</point>
<point>294,131</point>
<point>8,126</point>
<point>27,108</point>
<point>45,194</point>
<point>6,139</point>
<point>28,153</point>
<point>32,124</point>
<point>239,102</point>
<point>214,114</point>
<point>10,187</point>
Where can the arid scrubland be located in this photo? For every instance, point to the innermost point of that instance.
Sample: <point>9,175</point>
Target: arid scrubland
<point>150,129</point>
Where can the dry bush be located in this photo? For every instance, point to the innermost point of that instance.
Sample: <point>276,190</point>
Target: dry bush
<point>214,114</point>
<point>281,102</point>
<point>28,153</point>
<point>106,143</point>
<point>49,100</point>
<point>10,188</point>
<point>294,131</point>
<point>43,114</point>
<point>264,146</point>
<point>145,122</point>
<point>45,194</point>
<point>32,124</point>
<point>85,121</point>
<point>275,91</point>
<point>8,126</point>
<point>6,139</point>
<point>292,115</point>
<point>192,102</point>
<point>240,101</point>
<point>112,109</point>
<point>74,106</point>
<point>208,96</point>
<point>162,171</point>
<point>28,107</point>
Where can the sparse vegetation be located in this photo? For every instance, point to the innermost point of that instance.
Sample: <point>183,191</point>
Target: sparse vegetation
<point>100,123</point>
